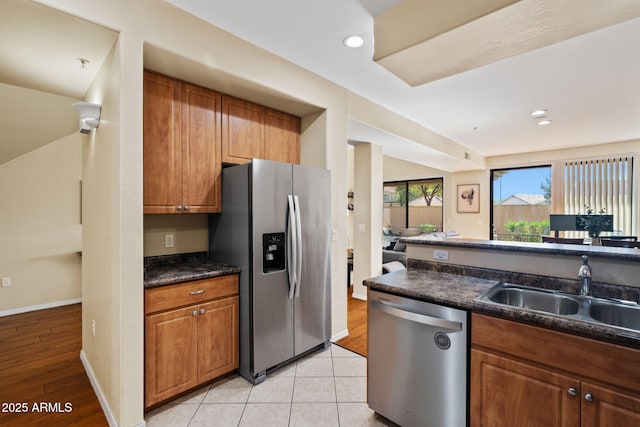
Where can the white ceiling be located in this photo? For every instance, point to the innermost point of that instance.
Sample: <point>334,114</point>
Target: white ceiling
<point>39,74</point>
<point>589,84</point>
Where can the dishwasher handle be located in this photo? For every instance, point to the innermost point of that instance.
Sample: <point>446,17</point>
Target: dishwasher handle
<point>418,318</point>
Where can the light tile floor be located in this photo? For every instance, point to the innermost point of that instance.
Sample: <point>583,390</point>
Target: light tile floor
<point>324,389</point>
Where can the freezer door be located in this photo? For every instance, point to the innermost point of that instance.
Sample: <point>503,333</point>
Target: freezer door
<point>272,309</point>
<point>312,303</point>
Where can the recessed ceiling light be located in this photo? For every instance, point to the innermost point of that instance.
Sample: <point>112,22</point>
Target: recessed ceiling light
<point>544,122</point>
<point>353,41</point>
<point>538,113</point>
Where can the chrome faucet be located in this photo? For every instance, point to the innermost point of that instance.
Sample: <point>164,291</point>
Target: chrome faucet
<point>584,274</point>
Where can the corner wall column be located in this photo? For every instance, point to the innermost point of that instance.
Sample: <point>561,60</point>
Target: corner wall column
<point>367,200</point>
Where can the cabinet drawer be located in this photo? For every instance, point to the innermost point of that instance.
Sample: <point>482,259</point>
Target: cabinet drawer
<point>167,297</point>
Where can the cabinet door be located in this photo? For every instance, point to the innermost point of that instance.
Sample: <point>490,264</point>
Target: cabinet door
<point>217,338</point>
<point>242,130</point>
<point>509,393</point>
<point>281,137</point>
<point>201,150</point>
<point>170,353</point>
<point>162,156</point>
<point>609,408</point>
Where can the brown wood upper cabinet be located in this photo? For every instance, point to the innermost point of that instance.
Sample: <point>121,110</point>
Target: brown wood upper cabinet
<point>181,150</point>
<point>253,131</point>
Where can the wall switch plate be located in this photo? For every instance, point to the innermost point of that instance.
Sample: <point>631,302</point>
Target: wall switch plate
<point>440,254</point>
<point>6,282</point>
<point>93,328</point>
<point>362,228</point>
<point>168,240</point>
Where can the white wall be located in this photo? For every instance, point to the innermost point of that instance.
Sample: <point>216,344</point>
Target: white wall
<point>40,226</point>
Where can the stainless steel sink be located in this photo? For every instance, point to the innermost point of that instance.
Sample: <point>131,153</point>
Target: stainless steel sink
<point>624,316</point>
<point>538,300</point>
<point>579,307</point>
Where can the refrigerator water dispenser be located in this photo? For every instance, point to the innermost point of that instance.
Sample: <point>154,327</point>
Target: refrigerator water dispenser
<point>273,255</point>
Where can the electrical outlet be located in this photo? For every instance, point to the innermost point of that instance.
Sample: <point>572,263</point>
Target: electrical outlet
<point>440,254</point>
<point>93,328</point>
<point>6,282</point>
<point>168,240</point>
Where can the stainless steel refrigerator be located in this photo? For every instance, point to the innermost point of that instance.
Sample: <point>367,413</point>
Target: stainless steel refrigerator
<point>276,226</point>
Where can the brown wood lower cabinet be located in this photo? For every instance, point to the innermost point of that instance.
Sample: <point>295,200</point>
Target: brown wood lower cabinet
<point>523,375</point>
<point>189,345</point>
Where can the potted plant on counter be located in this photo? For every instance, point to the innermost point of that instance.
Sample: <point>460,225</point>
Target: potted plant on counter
<point>594,224</point>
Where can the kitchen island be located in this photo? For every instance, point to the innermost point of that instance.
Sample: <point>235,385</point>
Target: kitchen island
<point>550,369</point>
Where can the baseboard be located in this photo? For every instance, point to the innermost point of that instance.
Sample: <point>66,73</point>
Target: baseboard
<point>96,388</point>
<point>340,335</point>
<point>358,296</point>
<point>39,307</point>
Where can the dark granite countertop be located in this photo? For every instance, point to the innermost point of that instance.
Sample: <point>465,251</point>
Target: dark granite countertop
<point>458,286</point>
<point>172,269</point>
<point>627,254</point>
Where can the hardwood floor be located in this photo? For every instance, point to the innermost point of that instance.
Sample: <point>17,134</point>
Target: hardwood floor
<point>357,325</point>
<point>41,373</point>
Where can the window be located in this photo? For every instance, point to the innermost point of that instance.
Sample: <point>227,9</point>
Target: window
<point>521,197</point>
<point>520,203</point>
<point>603,185</point>
<point>413,204</point>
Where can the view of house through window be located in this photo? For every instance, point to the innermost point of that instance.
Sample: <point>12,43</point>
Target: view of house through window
<point>412,204</point>
<point>520,203</point>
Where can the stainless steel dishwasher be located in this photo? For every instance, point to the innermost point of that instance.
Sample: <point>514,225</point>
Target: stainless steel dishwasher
<point>417,364</point>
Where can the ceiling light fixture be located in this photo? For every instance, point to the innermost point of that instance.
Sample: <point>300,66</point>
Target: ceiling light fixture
<point>353,41</point>
<point>544,122</point>
<point>537,113</point>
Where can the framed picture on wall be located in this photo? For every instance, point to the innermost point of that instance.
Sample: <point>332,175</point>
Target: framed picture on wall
<point>468,198</point>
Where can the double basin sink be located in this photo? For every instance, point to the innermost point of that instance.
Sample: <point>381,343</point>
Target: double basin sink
<point>620,314</point>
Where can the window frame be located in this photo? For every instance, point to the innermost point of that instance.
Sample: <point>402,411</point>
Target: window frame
<point>407,183</point>
<point>491,192</point>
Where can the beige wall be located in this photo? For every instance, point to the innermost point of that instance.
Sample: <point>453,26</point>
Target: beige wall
<point>367,213</point>
<point>605,270</point>
<point>469,225</point>
<point>190,233</point>
<point>400,170</point>
<point>40,226</point>
<point>113,273</point>
<point>113,278</point>
<point>104,242</point>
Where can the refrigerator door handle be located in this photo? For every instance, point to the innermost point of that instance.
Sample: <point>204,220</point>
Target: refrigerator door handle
<point>292,248</point>
<point>296,202</point>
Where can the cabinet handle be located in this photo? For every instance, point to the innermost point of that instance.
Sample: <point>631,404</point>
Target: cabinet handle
<point>195,312</point>
<point>572,391</point>
<point>186,208</point>
<point>589,397</point>
<point>202,311</point>
<point>179,207</point>
<point>201,291</point>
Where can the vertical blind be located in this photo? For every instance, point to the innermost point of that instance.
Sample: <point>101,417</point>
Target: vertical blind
<point>601,185</point>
